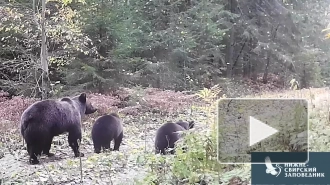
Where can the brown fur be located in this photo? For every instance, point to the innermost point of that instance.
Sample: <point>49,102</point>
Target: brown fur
<point>43,120</point>
<point>105,129</point>
<point>167,135</point>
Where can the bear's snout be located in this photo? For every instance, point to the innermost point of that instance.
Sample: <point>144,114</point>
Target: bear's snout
<point>90,109</point>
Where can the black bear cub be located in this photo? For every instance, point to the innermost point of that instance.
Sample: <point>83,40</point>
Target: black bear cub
<point>167,135</point>
<point>43,120</point>
<point>105,129</point>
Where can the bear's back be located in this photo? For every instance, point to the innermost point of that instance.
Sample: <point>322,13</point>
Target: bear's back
<point>108,123</point>
<point>170,127</point>
<point>169,130</point>
<point>167,135</point>
<point>39,107</point>
<point>55,114</point>
<point>183,124</point>
<point>186,125</point>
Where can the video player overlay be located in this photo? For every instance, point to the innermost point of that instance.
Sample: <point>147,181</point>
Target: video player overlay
<point>262,125</point>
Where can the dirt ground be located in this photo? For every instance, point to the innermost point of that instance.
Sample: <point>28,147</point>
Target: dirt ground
<point>106,168</point>
<point>121,167</point>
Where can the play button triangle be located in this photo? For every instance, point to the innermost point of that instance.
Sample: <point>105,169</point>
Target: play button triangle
<point>259,131</point>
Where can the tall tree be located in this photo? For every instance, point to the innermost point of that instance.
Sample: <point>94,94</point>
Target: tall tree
<point>232,6</point>
<point>43,53</point>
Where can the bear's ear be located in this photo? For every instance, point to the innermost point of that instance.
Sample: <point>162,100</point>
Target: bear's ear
<point>82,98</point>
<point>191,124</point>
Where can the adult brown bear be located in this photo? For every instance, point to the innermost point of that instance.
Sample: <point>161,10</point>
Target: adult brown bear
<point>167,135</point>
<point>105,129</point>
<point>43,120</point>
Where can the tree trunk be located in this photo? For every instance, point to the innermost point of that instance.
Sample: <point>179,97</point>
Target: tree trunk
<point>102,35</point>
<point>265,76</point>
<point>304,78</point>
<point>230,42</point>
<point>246,62</point>
<point>43,54</point>
<point>247,59</point>
<point>34,6</point>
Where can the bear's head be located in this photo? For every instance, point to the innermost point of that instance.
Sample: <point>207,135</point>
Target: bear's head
<point>186,125</point>
<point>86,105</point>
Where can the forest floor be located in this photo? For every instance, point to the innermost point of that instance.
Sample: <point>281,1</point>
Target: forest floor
<point>142,112</point>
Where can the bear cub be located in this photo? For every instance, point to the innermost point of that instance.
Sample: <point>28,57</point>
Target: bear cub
<point>105,129</point>
<point>167,135</point>
<point>43,120</point>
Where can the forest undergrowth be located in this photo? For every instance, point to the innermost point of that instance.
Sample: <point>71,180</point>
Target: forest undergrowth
<point>143,111</point>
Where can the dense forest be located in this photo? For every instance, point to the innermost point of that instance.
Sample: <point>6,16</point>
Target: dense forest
<point>100,45</point>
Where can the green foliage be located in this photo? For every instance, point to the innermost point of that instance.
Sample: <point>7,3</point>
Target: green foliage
<point>294,84</point>
<point>152,29</point>
<point>198,163</point>
<point>180,44</point>
<point>191,167</point>
<point>309,68</point>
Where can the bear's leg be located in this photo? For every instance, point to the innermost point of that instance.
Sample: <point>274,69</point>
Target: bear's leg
<point>106,144</point>
<point>28,148</point>
<point>159,151</point>
<point>47,146</point>
<point>163,151</point>
<point>171,146</point>
<point>97,147</point>
<point>74,136</point>
<point>34,151</point>
<point>118,141</point>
